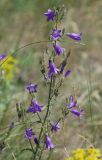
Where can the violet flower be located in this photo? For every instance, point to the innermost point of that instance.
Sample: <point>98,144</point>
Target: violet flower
<point>29,133</point>
<point>35,139</point>
<point>72,102</point>
<point>77,112</point>
<point>75,36</point>
<point>50,14</point>
<point>53,69</point>
<point>67,73</point>
<point>55,34</point>
<point>58,49</point>
<point>48,142</point>
<point>35,107</point>
<point>32,88</point>
<point>2,56</point>
<point>55,126</point>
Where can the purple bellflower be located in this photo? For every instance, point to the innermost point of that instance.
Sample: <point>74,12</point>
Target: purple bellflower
<point>62,67</point>
<point>55,126</point>
<point>72,102</point>
<point>53,69</point>
<point>48,142</point>
<point>58,49</point>
<point>67,73</point>
<point>77,112</point>
<point>35,139</point>
<point>50,14</point>
<point>32,88</point>
<point>55,34</point>
<point>2,56</point>
<point>75,36</point>
<point>35,107</point>
<point>29,133</point>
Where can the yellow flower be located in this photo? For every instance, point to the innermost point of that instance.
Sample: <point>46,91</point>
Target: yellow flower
<point>93,151</point>
<point>88,154</point>
<point>8,67</point>
<point>79,154</point>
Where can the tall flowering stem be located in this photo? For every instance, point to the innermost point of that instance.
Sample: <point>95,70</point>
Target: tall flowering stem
<point>45,118</point>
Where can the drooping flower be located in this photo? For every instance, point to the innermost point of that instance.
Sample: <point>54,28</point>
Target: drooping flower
<point>50,14</point>
<point>32,88</point>
<point>58,49</point>
<point>35,107</point>
<point>29,133</point>
<point>67,73</point>
<point>48,142</point>
<point>56,34</point>
<point>75,36</point>
<point>36,139</point>
<point>2,56</point>
<point>53,69</point>
<point>77,112</point>
<point>72,103</point>
<point>55,126</point>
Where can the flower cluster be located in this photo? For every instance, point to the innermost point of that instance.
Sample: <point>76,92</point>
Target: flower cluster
<point>56,36</point>
<point>35,107</point>
<point>86,154</point>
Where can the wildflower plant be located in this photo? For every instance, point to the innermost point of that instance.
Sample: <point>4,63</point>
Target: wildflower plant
<point>54,76</point>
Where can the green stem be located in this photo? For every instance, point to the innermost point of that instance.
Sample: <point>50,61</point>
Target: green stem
<point>25,126</point>
<point>41,131</point>
<point>31,146</point>
<point>42,151</point>
<point>39,117</point>
<point>27,45</point>
<point>50,153</point>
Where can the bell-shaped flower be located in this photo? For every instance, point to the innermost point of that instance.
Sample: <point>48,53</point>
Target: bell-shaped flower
<point>67,73</point>
<point>55,126</point>
<point>32,88</point>
<point>72,103</point>
<point>36,139</point>
<point>29,133</point>
<point>58,50</point>
<point>77,112</point>
<point>53,69</point>
<point>56,34</point>
<point>48,142</point>
<point>35,107</point>
<point>50,14</point>
<point>75,36</point>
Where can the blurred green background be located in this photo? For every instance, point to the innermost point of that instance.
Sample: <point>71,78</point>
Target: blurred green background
<point>22,22</point>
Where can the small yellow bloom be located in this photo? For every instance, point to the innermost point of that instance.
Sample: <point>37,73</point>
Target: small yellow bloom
<point>8,67</point>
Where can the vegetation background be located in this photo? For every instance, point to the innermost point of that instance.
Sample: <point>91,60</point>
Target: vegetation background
<point>22,22</point>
